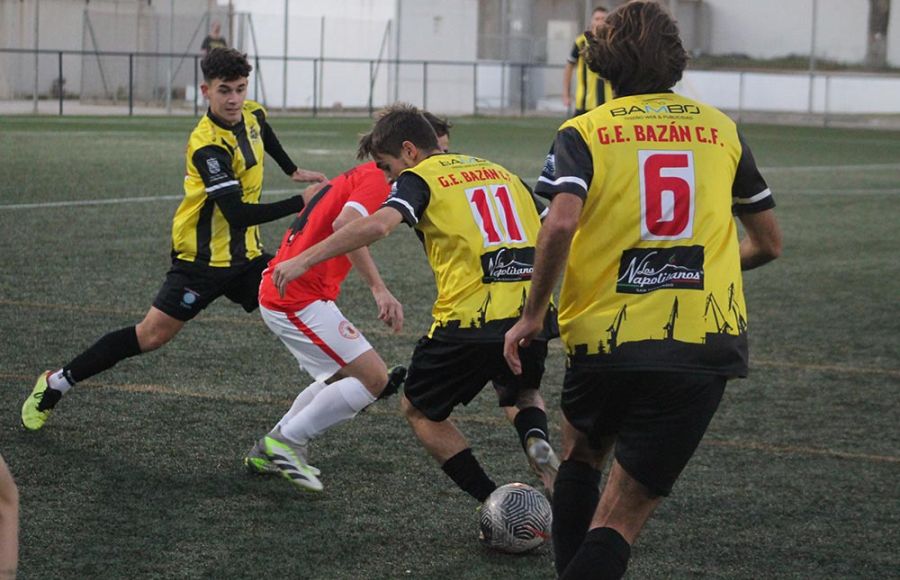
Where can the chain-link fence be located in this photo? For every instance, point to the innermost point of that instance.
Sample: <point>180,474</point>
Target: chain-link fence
<point>136,83</point>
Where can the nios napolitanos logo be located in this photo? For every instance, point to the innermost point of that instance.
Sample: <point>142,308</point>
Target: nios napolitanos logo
<point>643,270</point>
<point>508,265</point>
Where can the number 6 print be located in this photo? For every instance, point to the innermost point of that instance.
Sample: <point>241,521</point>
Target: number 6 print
<point>667,194</point>
<point>486,213</point>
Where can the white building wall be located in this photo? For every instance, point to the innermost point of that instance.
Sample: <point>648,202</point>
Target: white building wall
<point>838,93</point>
<point>367,30</point>
<point>775,28</point>
<point>436,30</point>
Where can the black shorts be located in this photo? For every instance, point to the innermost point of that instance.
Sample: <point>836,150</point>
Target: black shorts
<point>658,418</point>
<point>189,287</point>
<point>444,374</point>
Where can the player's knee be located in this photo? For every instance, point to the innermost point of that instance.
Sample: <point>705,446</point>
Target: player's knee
<point>529,398</point>
<point>411,413</point>
<point>152,337</point>
<point>375,383</point>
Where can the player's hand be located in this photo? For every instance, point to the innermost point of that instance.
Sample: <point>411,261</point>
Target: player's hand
<point>305,175</point>
<point>519,335</point>
<point>287,271</point>
<point>390,311</point>
<point>567,101</point>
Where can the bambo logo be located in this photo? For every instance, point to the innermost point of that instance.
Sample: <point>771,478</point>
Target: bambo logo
<point>650,109</point>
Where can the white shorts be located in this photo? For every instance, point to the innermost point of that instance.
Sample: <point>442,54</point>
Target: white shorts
<point>318,336</point>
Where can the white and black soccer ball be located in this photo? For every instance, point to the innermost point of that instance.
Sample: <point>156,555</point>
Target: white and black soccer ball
<point>515,518</point>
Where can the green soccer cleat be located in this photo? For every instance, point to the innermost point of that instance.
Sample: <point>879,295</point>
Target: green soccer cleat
<point>37,407</point>
<point>287,458</point>
<point>543,461</point>
<point>257,463</point>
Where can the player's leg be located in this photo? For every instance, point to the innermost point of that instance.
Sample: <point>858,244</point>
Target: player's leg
<point>9,523</point>
<point>357,386</point>
<point>524,407</point>
<point>624,508</point>
<point>449,447</point>
<point>661,426</point>
<point>441,376</point>
<point>186,291</point>
<point>576,492</point>
<point>156,329</point>
<point>589,426</point>
<point>349,374</point>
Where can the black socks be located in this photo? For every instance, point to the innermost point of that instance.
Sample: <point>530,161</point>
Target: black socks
<point>575,497</point>
<point>603,555</point>
<point>531,422</point>
<point>105,353</point>
<point>466,472</point>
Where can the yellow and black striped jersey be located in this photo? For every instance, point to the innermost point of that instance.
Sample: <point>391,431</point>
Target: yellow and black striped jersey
<point>221,160</point>
<point>478,223</point>
<point>653,279</point>
<point>591,90</point>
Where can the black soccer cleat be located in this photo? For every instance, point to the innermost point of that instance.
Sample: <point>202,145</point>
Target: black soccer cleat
<point>396,378</point>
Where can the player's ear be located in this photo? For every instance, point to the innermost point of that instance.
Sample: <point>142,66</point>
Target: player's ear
<point>204,90</point>
<point>409,150</point>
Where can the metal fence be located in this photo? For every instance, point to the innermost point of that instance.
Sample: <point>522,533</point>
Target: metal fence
<point>61,81</point>
<point>128,83</point>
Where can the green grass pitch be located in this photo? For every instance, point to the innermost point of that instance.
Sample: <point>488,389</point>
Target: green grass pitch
<point>138,472</point>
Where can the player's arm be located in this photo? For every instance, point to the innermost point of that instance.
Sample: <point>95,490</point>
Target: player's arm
<point>567,76</point>
<point>762,239</point>
<point>390,311</point>
<point>273,147</point>
<point>358,233</point>
<point>567,84</point>
<point>213,163</point>
<point>754,205</point>
<point>566,181</point>
<point>409,198</point>
<point>539,206</point>
<point>9,524</point>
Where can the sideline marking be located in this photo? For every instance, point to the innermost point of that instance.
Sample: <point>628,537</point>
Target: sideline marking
<point>117,200</point>
<point>800,168</point>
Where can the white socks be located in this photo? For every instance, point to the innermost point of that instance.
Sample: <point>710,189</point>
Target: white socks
<point>58,381</point>
<point>302,400</point>
<point>335,403</point>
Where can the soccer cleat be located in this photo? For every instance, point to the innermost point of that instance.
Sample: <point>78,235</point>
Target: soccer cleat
<point>39,404</point>
<point>257,463</point>
<point>286,458</point>
<point>543,461</point>
<point>396,377</point>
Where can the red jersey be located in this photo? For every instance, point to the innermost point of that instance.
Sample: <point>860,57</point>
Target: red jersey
<point>364,188</point>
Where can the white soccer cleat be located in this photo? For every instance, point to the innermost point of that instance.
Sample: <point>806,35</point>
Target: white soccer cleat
<point>287,458</point>
<point>257,463</point>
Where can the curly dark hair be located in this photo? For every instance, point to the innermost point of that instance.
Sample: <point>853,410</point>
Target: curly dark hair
<point>398,123</point>
<point>638,50</point>
<point>226,64</point>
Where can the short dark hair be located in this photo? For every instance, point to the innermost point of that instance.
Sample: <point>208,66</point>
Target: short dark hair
<point>398,123</point>
<point>600,8</point>
<point>226,64</point>
<point>638,50</point>
<point>441,125</point>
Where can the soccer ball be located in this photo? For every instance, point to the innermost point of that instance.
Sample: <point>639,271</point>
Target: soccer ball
<point>515,518</point>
